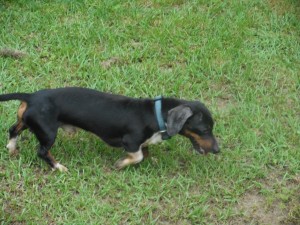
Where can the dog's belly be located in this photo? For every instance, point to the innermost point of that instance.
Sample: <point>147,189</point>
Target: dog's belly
<point>114,142</point>
<point>118,142</point>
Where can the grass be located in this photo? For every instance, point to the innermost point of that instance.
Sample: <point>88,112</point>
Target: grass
<point>241,58</point>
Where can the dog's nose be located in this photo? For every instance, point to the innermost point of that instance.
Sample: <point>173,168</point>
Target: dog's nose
<point>215,148</point>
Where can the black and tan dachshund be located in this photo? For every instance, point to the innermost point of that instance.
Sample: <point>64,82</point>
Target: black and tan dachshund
<point>120,121</point>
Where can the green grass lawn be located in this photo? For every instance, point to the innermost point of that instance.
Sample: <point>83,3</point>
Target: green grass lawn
<point>241,58</point>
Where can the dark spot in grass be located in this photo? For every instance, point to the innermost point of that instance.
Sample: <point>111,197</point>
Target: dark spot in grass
<point>106,64</point>
<point>11,53</point>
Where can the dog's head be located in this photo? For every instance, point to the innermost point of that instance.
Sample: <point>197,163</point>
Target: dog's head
<point>193,120</point>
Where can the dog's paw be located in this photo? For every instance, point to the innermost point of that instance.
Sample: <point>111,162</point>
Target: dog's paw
<point>60,167</point>
<point>130,159</point>
<point>121,163</point>
<point>12,146</point>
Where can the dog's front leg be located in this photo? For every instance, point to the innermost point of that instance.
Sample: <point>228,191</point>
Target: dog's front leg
<point>129,159</point>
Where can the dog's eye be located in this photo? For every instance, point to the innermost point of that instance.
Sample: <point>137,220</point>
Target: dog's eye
<point>205,131</point>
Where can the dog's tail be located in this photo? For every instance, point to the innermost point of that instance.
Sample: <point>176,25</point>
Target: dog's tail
<point>15,96</point>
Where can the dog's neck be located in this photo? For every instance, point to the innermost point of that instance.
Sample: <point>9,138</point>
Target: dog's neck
<point>159,118</point>
<point>166,105</point>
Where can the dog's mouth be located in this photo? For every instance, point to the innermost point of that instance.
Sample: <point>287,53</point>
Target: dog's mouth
<point>201,144</point>
<point>197,147</point>
<point>204,145</point>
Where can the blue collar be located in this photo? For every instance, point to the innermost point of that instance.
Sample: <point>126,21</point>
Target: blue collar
<point>159,117</point>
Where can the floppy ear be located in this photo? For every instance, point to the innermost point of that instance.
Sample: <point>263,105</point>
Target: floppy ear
<point>177,118</point>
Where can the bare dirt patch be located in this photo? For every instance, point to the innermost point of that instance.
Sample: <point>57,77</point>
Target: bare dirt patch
<point>256,208</point>
<point>106,64</point>
<point>282,7</point>
<point>11,53</point>
<point>225,102</point>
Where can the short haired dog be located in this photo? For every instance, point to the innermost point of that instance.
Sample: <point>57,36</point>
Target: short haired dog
<point>120,121</point>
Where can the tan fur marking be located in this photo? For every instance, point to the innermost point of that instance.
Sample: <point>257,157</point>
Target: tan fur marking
<point>19,126</point>
<point>131,158</point>
<point>21,110</point>
<point>51,158</point>
<point>145,152</point>
<point>206,144</point>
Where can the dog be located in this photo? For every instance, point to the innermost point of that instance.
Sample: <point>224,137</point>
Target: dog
<point>120,121</point>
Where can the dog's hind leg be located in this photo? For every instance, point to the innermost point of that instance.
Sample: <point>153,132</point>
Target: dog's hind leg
<point>44,153</point>
<point>45,132</point>
<point>47,139</point>
<point>14,132</point>
<point>16,129</point>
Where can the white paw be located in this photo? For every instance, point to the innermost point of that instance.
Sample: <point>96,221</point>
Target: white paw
<point>131,158</point>
<point>121,163</point>
<point>12,146</point>
<point>60,167</point>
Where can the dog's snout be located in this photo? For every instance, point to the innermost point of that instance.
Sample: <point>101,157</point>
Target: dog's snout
<point>215,148</point>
